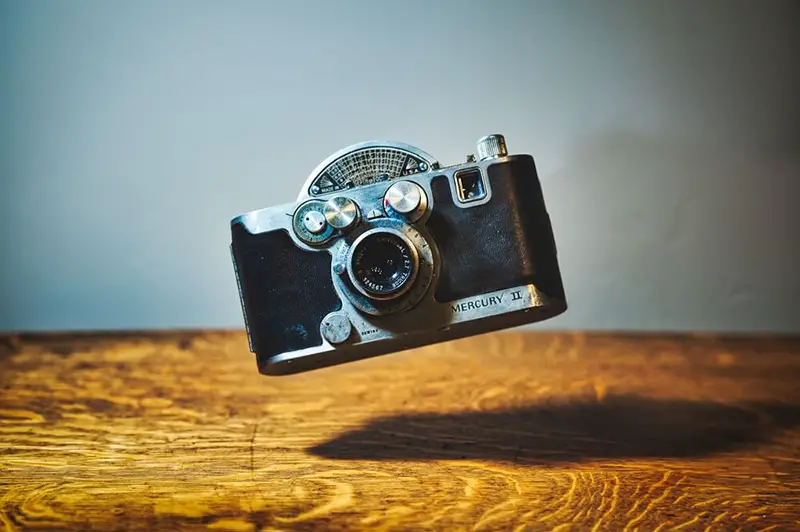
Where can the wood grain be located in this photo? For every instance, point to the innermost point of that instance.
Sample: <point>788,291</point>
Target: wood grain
<point>510,431</point>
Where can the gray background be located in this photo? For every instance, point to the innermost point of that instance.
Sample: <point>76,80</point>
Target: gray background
<point>666,134</point>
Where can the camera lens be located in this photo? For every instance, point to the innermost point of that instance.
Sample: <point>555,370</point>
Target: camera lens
<point>383,264</point>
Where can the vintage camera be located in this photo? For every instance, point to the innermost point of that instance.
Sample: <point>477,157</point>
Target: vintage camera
<point>385,250</point>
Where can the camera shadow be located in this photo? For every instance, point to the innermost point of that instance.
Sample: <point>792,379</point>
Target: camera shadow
<point>619,427</point>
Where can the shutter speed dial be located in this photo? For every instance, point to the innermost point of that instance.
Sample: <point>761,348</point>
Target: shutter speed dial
<point>406,199</point>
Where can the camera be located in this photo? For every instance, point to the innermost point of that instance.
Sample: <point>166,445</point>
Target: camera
<point>386,250</point>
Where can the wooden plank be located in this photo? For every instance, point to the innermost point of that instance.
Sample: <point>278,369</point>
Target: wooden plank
<point>499,432</point>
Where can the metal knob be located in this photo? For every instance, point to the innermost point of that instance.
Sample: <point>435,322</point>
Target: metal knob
<point>492,146</point>
<point>404,197</point>
<point>336,328</point>
<point>341,212</point>
<point>314,222</point>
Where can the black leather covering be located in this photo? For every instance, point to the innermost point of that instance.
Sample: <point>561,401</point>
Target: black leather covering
<point>286,290</point>
<point>500,244</point>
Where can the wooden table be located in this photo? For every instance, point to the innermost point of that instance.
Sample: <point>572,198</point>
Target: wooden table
<point>504,431</point>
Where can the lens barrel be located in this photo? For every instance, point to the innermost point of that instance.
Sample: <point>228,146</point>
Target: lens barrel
<point>383,264</point>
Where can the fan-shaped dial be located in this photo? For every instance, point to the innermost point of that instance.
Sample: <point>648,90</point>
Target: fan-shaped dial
<point>364,164</point>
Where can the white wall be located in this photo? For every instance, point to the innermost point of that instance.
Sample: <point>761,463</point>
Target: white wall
<point>666,135</point>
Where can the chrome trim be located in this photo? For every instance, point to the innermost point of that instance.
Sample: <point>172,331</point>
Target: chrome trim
<point>420,328</point>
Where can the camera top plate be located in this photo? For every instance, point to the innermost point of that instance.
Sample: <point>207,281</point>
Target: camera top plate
<point>363,164</point>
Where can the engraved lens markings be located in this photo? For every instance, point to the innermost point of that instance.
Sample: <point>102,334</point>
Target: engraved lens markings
<point>383,263</point>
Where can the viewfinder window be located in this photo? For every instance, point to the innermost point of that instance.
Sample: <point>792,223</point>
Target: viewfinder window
<point>469,185</point>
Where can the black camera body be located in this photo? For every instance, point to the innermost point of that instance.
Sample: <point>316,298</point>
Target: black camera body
<point>385,250</point>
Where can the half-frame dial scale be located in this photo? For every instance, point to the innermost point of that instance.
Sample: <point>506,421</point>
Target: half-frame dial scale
<point>364,164</point>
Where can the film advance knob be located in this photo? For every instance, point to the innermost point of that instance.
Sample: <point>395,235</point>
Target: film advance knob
<point>491,146</point>
<point>404,197</point>
<point>341,212</point>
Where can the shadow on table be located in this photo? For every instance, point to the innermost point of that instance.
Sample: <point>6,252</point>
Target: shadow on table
<point>618,427</point>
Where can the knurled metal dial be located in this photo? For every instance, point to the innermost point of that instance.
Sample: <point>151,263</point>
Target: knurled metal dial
<point>491,146</point>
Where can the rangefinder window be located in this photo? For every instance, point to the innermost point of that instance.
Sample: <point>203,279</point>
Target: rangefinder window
<point>469,185</point>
